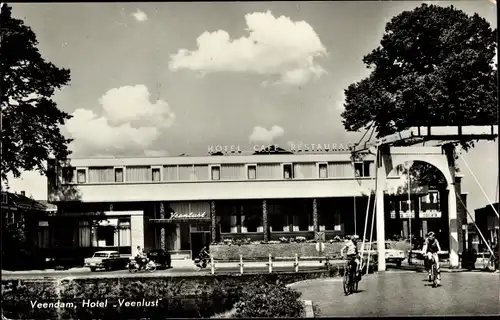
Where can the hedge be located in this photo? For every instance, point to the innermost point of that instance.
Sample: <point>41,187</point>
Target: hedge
<point>178,297</point>
<point>261,251</point>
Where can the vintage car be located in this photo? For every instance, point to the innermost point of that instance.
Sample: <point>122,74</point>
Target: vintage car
<point>391,255</point>
<point>108,260</point>
<point>160,257</point>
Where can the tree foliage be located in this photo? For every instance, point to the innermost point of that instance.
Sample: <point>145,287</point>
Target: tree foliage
<point>30,118</point>
<point>433,67</point>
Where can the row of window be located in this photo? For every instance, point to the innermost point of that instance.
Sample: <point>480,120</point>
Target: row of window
<point>278,222</point>
<point>266,171</point>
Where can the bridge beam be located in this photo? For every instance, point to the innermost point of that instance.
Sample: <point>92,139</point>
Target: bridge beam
<point>453,223</point>
<point>383,155</point>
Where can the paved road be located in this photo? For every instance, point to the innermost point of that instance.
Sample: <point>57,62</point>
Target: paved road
<point>406,293</point>
<point>186,268</point>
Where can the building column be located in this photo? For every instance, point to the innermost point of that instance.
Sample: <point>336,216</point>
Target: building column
<point>213,215</point>
<point>315,215</point>
<point>264,220</point>
<point>137,230</point>
<point>449,150</point>
<point>383,155</point>
<point>178,237</point>
<point>162,230</point>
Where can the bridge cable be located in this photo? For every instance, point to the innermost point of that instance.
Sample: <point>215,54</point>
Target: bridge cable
<point>480,187</point>
<point>480,233</point>
<point>368,213</point>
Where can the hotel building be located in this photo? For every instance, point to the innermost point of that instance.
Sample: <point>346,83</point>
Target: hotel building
<point>183,203</point>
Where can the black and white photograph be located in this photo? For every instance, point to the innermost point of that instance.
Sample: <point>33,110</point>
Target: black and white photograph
<point>280,159</point>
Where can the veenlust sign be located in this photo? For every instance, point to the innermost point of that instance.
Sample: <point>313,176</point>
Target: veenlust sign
<point>176,217</point>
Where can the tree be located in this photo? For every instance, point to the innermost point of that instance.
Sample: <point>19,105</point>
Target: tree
<point>432,68</point>
<point>30,118</point>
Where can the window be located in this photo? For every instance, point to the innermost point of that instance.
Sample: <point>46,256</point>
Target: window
<point>323,170</point>
<point>215,173</point>
<point>4,198</point>
<point>358,169</point>
<point>43,237</point>
<point>156,174</point>
<point>118,174</point>
<point>252,172</point>
<point>287,171</point>
<point>366,168</point>
<point>81,176</point>
<point>68,175</point>
<point>100,174</point>
<point>84,234</point>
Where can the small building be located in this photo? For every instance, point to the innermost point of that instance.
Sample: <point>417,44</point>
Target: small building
<point>487,222</point>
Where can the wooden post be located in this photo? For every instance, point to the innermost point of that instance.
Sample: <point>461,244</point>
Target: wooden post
<point>296,262</point>
<point>212,264</point>
<point>241,264</point>
<point>270,264</point>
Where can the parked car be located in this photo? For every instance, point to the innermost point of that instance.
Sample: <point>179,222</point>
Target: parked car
<point>161,258</point>
<point>391,255</point>
<point>108,260</point>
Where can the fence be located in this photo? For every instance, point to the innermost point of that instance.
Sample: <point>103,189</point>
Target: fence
<point>272,264</point>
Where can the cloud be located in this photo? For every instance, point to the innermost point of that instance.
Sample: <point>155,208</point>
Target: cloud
<point>274,46</point>
<point>260,134</point>
<point>131,104</point>
<point>140,15</point>
<point>128,124</point>
<point>339,103</point>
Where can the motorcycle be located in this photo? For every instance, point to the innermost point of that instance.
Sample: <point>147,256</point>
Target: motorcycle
<point>133,266</point>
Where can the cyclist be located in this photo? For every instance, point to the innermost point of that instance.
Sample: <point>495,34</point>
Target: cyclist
<point>352,252</point>
<point>140,257</point>
<point>430,250</point>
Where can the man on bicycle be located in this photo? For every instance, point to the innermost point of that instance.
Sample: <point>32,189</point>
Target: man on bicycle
<point>430,250</point>
<point>352,252</point>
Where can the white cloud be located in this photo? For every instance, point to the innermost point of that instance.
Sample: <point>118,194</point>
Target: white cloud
<point>260,134</point>
<point>275,46</point>
<point>131,103</point>
<point>128,125</point>
<point>140,15</point>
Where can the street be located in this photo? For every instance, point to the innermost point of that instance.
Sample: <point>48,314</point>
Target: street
<point>406,293</point>
<point>180,268</point>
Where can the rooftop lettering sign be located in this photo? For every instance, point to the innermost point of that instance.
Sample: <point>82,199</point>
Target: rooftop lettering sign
<point>292,147</point>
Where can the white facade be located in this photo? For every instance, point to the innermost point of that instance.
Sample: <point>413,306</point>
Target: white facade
<point>275,176</point>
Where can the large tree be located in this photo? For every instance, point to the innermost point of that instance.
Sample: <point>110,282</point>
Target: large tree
<point>30,118</point>
<point>433,68</point>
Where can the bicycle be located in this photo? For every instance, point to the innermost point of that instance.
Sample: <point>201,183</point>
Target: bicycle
<point>433,277</point>
<point>350,283</point>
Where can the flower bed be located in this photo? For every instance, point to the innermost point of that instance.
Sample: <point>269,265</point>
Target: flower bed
<point>178,297</point>
<point>231,250</point>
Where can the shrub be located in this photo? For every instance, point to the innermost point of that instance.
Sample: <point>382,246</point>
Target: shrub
<point>266,300</point>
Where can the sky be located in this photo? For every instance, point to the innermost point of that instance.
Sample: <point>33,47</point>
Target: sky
<point>160,79</point>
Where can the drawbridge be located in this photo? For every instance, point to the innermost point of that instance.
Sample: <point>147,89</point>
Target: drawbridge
<point>435,145</point>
